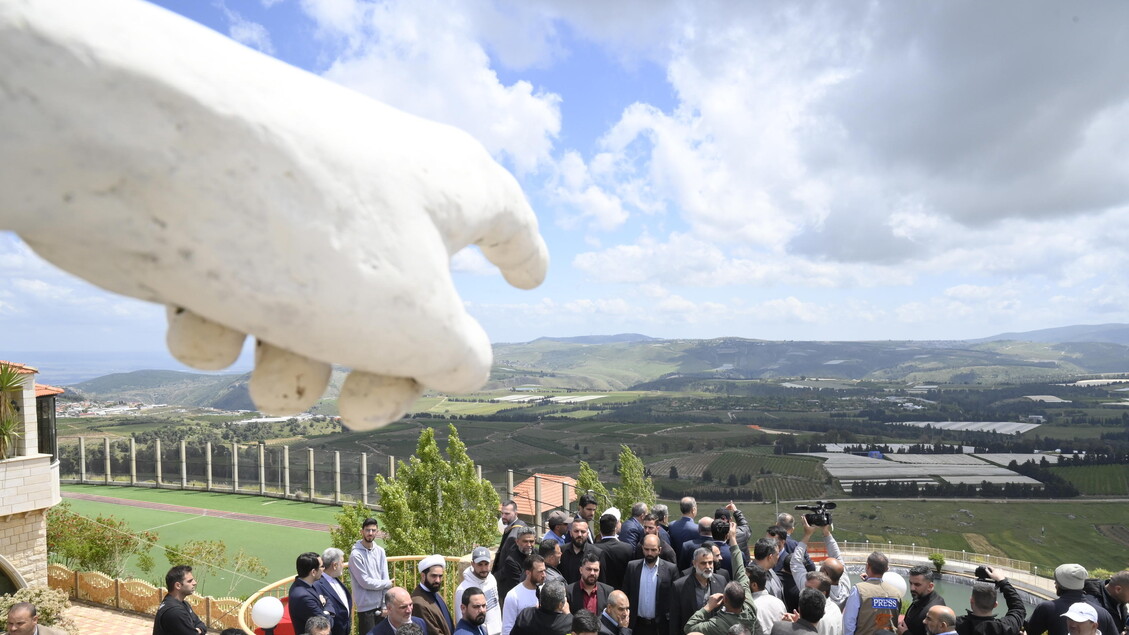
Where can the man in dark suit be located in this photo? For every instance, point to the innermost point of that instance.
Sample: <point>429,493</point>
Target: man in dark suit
<point>305,601</point>
<point>650,527</point>
<point>572,554</point>
<point>719,530</point>
<point>690,545</point>
<point>632,530</point>
<point>338,600</point>
<point>399,605</point>
<point>522,544</point>
<point>614,553</point>
<point>588,592</point>
<point>509,521</point>
<point>686,527</point>
<point>647,583</point>
<point>615,618</point>
<point>689,593</point>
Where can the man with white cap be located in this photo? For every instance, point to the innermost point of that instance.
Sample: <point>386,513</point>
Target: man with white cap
<point>1049,616</point>
<point>427,598</point>
<point>478,575</point>
<point>1082,619</point>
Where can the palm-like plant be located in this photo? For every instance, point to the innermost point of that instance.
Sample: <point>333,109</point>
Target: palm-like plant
<point>11,423</point>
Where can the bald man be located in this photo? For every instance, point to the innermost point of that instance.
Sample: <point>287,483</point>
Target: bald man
<point>940,620</point>
<point>616,615</point>
<point>397,613</point>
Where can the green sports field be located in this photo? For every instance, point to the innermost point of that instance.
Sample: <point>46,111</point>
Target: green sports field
<point>276,546</point>
<point>242,503</point>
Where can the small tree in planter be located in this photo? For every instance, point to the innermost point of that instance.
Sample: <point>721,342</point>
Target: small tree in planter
<point>938,561</point>
<point>11,423</point>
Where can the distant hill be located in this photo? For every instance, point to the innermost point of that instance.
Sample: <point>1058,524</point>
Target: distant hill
<point>669,363</point>
<point>600,339</point>
<point>619,362</point>
<point>226,392</point>
<point>1107,333</point>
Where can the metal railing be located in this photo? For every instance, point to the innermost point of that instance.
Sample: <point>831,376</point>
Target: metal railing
<point>949,554</point>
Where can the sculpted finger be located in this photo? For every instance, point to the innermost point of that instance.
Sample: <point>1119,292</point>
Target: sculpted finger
<point>198,342</point>
<point>285,383</point>
<point>369,401</point>
<point>513,242</point>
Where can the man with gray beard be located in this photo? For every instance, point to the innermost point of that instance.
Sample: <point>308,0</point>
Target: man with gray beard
<point>690,593</point>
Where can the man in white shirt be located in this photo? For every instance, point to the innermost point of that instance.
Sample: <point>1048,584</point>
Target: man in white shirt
<point>523,595</point>
<point>832,565</point>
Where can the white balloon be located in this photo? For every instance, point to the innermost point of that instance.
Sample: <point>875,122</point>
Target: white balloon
<point>267,612</point>
<point>895,580</point>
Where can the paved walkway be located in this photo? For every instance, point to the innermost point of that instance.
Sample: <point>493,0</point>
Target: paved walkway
<point>199,511</point>
<point>98,620</point>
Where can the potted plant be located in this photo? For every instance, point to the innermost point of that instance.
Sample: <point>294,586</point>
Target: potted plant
<point>11,423</point>
<point>938,561</point>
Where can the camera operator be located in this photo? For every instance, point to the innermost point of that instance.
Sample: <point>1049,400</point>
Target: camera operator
<point>980,619</point>
<point>832,565</point>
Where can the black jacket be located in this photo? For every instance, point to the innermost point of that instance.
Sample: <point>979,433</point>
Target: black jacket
<point>176,617</point>
<point>535,621</point>
<point>915,614</point>
<point>1010,624</point>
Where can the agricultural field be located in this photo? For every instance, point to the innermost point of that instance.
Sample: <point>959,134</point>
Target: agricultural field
<point>754,465</point>
<point>1097,480</point>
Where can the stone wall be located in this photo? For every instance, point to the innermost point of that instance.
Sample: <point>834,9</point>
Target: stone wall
<point>30,485</point>
<point>23,542</point>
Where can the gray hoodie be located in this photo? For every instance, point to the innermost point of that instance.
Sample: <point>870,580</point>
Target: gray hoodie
<point>368,569</point>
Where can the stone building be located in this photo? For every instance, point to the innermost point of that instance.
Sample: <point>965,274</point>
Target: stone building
<point>29,485</point>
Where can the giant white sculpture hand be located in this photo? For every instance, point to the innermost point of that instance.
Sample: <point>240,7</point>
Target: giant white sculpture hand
<point>158,159</point>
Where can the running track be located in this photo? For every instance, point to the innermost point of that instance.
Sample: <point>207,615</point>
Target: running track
<point>198,511</point>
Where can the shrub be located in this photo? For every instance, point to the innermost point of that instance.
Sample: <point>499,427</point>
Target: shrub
<point>50,605</point>
<point>938,561</point>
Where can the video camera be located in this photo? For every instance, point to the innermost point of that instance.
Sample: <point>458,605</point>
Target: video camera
<point>820,516</point>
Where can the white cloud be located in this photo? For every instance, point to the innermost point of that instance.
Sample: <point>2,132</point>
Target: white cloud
<point>428,58</point>
<point>247,32</point>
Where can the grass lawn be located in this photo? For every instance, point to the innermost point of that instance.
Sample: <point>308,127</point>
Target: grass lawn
<point>262,506</point>
<point>276,546</point>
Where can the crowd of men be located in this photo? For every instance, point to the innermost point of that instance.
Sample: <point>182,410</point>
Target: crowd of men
<point>640,575</point>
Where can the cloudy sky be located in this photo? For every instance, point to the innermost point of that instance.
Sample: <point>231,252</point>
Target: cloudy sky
<point>799,170</point>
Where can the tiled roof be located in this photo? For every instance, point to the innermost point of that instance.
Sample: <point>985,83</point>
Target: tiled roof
<point>23,369</point>
<point>43,390</point>
<point>550,493</point>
